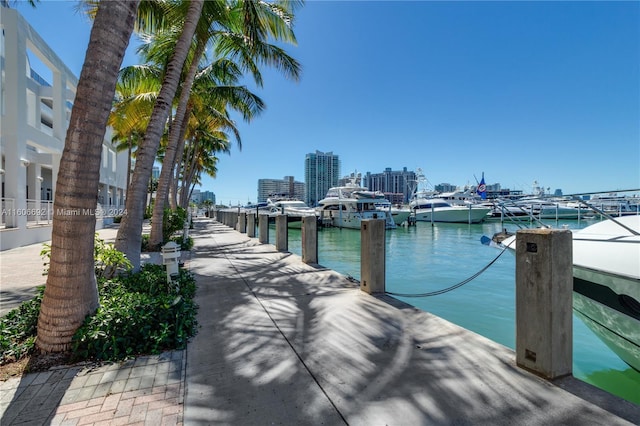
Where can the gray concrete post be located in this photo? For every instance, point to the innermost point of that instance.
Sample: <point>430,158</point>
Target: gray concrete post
<point>251,225</point>
<point>282,233</point>
<point>372,256</point>
<point>309,239</point>
<point>263,228</point>
<point>242,222</point>
<point>544,294</point>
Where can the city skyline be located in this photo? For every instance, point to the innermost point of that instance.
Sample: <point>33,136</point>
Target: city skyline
<point>522,91</point>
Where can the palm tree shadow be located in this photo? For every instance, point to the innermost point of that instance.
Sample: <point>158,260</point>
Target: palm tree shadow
<point>279,333</point>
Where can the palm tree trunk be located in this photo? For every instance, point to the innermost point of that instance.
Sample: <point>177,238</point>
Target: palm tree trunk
<point>156,237</point>
<point>129,165</point>
<point>129,236</point>
<point>189,172</point>
<point>71,292</point>
<point>173,198</point>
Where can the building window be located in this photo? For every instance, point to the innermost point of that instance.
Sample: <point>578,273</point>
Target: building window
<point>105,157</point>
<point>113,161</point>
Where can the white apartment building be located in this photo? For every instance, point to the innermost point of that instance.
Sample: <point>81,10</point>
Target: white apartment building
<point>34,116</point>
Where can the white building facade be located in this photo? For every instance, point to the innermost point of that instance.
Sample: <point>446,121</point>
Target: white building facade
<point>34,116</point>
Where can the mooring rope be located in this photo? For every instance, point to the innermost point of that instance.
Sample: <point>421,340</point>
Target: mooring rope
<point>455,286</point>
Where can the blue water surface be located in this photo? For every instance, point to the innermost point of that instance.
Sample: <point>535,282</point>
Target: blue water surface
<point>429,257</point>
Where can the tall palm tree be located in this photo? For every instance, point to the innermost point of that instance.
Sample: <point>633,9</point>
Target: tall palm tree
<point>136,92</point>
<point>213,92</point>
<point>256,21</point>
<point>71,291</point>
<point>129,237</point>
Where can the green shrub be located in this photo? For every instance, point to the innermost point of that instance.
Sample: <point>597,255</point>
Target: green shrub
<point>18,329</point>
<point>109,261</point>
<point>139,314</point>
<point>185,245</point>
<point>144,246</point>
<point>173,220</point>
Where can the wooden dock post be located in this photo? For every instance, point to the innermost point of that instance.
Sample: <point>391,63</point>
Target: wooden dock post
<point>372,256</point>
<point>251,225</point>
<point>309,239</point>
<point>282,233</point>
<point>544,294</point>
<point>263,228</point>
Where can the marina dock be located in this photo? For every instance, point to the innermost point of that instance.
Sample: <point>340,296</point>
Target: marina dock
<point>284,342</point>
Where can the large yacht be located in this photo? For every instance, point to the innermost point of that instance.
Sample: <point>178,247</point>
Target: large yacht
<point>346,207</point>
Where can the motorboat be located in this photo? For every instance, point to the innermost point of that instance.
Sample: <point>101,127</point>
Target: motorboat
<point>541,208</point>
<point>440,210</point>
<point>294,209</point>
<point>347,206</point>
<point>615,205</point>
<point>606,283</point>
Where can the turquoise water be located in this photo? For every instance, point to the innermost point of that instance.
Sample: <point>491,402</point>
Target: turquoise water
<point>426,258</point>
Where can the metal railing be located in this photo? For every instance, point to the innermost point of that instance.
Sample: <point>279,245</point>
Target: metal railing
<point>7,206</point>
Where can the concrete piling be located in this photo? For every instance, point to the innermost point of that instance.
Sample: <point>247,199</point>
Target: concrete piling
<point>251,225</point>
<point>242,222</point>
<point>263,228</point>
<point>282,233</point>
<point>309,239</point>
<point>544,294</point>
<point>372,256</point>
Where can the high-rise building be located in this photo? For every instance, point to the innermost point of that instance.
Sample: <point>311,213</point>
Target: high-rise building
<point>398,186</point>
<point>280,188</point>
<point>445,187</point>
<point>208,196</point>
<point>321,172</point>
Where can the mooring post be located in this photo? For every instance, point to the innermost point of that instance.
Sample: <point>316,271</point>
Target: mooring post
<point>251,225</point>
<point>310,239</point>
<point>544,295</point>
<point>233,220</point>
<point>282,233</point>
<point>372,256</point>
<point>263,228</point>
<point>242,222</point>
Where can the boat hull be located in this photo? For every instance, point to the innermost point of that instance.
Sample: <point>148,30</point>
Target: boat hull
<point>400,216</point>
<point>354,220</point>
<point>606,284</point>
<point>452,215</point>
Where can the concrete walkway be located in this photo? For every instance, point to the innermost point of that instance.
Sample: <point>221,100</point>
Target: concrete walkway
<point>282,342</point>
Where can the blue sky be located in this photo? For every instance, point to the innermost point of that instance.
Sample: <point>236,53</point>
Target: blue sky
<point>522,91</point>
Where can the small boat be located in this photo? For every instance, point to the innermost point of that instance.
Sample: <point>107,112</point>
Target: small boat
<point>439,210</point>
<point>347,206</point>
<point>606,283</point>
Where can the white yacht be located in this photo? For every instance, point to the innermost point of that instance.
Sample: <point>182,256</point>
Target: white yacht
<point>294,209</point>
<point>440,210</point>
<point>606,283</point>
<point>346,207</point>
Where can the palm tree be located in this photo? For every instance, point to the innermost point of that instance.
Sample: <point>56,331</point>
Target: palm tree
<point>71,291</point>
<point>212,94</point>
<point>136,91</point>
<point>257,21</point>
<point>129,237</point>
